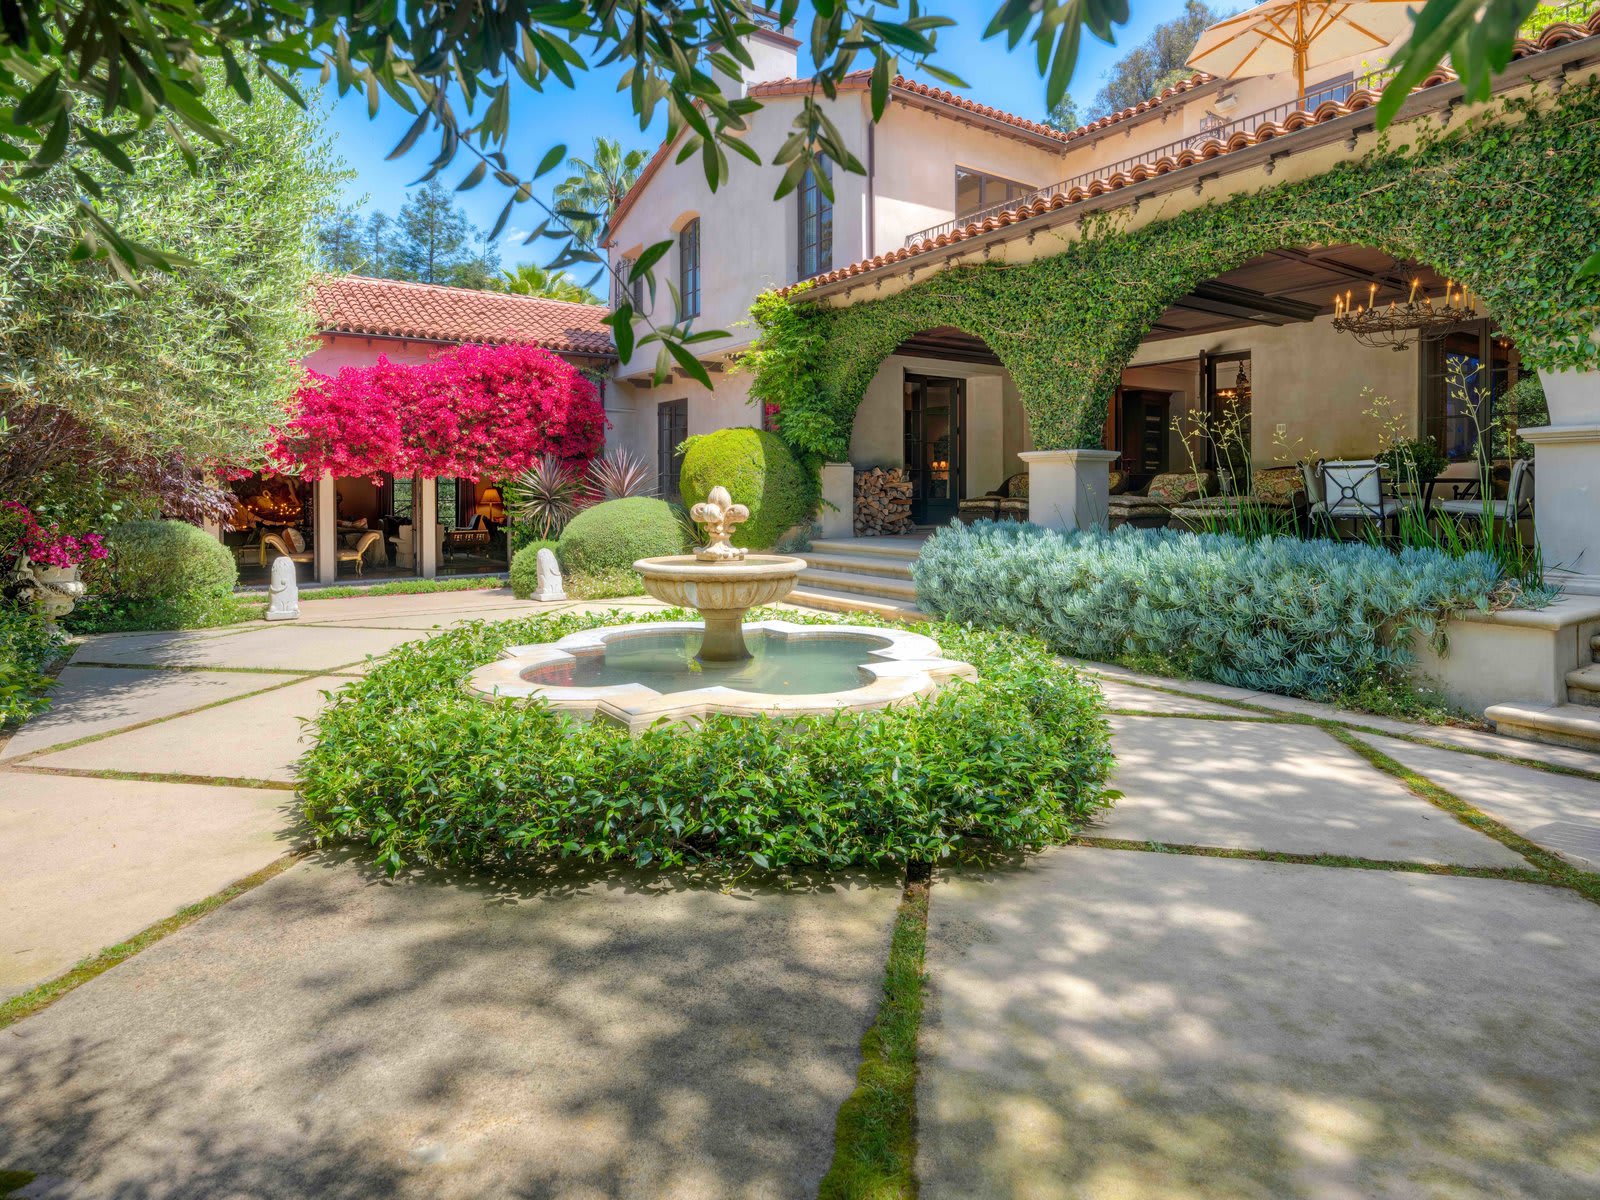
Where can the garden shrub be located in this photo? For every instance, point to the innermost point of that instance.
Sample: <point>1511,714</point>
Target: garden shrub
<point>612,535</point>
<point>525,568</point>
<point>410,763</point>
<point>160,574</point>
<point>28,648</point>
<point>759,472</point>
<point>1317,619</point>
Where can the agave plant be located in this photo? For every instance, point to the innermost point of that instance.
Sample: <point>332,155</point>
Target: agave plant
<point>546,495</point>
<point>618,474</point>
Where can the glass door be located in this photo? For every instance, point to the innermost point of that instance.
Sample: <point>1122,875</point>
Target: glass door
<point>935,438</point>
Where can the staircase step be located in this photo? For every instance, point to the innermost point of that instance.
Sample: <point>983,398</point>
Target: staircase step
<point>848,602</point>
<point>1558,725</point>
<point>884,586</point>
<point>1583,686</point>
<point>860,564</point>
<point>875,547</point>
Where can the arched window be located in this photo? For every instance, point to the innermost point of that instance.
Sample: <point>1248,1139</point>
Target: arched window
<point>816,225</point>
<point>689,270</point>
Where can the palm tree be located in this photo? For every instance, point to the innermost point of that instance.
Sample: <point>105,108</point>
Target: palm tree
<point>529,280</point>
<point>594,189</point>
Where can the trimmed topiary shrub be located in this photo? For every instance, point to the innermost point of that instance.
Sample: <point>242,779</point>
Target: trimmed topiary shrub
<point>1318,619</point>
<point>612,535</point>
<point>759,472</point>
<point>411,764</point>
<point>525,568</point>
<point>161,573</point>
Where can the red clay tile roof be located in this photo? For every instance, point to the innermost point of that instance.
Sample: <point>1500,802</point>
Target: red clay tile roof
<point>394,308</point>
<point>1555,35</point>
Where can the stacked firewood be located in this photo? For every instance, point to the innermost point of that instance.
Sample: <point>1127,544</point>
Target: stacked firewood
<point>883,502</point>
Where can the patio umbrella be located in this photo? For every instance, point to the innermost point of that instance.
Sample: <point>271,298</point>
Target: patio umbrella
<point>1294,35</point>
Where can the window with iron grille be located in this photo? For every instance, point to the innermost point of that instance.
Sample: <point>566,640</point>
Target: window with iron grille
<point>816,225</point>
<point>689,270</point>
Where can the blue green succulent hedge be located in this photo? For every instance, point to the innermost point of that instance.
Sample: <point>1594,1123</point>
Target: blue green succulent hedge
<point>1317,619</point>
<point>1504,201</point>
<point>412,765</point>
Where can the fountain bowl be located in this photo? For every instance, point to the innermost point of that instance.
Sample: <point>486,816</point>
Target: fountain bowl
<point>723,590</point>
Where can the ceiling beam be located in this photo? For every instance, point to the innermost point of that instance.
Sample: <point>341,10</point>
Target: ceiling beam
<point>1225,300</point>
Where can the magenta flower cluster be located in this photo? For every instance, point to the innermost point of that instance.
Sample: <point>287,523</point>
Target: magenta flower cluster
<point>47,546</point>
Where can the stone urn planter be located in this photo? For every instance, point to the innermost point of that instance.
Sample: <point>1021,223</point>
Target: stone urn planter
<point>59,590</point>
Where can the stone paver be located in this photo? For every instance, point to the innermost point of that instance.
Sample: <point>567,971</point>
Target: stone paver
<point>258,737</point>
<point>327,1035</point>
<point>1122,695</point>
<point>93,700</point>
<point>1112,1025</point>
<point>1291,788</point>
<point>285,647</point>
<point>1560,812</point>
<point>89,862</point>
<point>312,609</point>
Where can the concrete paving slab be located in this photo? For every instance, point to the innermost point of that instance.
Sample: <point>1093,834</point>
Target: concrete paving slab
<point>313,609</point>
<point>441,620</point>
<point>259,737</point>
<point>281,647</point>
<point>90,862</point>
<point>90,700</point>
<point>1495,743</point>
<point>330,1036</point>
<point>1123,695</point>
<point>1559,812</point>
<point>1106,1025</point>
<point>1255,786</point>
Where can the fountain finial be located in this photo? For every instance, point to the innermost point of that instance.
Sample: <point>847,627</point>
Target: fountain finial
<point>719,514</point>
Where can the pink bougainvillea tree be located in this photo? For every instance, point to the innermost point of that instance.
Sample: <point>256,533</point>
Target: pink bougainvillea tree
<point>479,412</point>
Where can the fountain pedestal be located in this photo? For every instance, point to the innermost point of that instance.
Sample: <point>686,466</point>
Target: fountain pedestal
<point>723,590</point>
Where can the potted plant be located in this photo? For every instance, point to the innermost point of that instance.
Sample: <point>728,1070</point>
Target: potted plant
<point>45,561</point>
<point>1417,460</point>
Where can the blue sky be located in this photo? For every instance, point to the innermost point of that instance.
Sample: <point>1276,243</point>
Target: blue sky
<point>596,109</point>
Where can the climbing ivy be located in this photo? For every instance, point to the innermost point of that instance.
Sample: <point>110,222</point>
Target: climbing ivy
<point>1506,202</point>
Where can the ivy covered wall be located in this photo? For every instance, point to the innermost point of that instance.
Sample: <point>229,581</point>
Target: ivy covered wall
<point>1508,202</point>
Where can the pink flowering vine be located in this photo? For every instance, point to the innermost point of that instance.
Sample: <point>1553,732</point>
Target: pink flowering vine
<point>45,546</point>
<point>478,412</point>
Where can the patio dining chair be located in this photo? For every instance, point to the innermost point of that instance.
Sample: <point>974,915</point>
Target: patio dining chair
<point>1517,505</point>
<point>1352,490</point>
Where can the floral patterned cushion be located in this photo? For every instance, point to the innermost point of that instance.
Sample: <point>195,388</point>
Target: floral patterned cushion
<point>1016,488</point>
<point>1276,485</point>
<point>1175,488</point>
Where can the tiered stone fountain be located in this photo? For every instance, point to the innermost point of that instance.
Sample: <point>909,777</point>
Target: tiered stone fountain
<point>650,672</point>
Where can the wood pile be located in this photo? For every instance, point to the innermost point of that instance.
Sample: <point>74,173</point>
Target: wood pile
<point>883,502</point>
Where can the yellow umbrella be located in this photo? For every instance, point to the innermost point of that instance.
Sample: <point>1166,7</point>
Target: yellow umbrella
<point>1294,35</point>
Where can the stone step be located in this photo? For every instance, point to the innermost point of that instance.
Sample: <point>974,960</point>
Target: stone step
<point>860,564</point>
<point>1594,647</point>
<point>874,547</point>
<point>885,587</point>
<point>1583,686</point>
<point>849,602</point>
<point>1558,725</point>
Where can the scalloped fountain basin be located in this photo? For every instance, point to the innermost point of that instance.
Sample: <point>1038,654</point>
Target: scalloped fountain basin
<point>638,675</point>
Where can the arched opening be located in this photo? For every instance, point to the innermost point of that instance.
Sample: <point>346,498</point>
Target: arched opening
<point>943,418</point>
<point>1252,373</point>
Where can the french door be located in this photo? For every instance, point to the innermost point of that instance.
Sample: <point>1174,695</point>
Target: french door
<point>935,446</point>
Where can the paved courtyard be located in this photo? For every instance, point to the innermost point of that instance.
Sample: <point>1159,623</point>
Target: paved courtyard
<point>1273,970</point>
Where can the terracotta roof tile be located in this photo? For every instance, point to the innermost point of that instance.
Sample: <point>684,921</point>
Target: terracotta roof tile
<point>395,308</point>
<point>1555,35</point>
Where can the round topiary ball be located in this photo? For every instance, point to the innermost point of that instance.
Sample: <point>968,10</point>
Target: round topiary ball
<point>759,472</point>
<point>610,536</point>
<point>166,563</point>
<point>525,568</point>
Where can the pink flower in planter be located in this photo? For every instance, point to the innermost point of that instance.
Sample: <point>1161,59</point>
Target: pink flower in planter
<point>47,547</point>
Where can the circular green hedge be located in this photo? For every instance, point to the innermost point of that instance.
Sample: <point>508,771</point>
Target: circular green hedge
<point>410,763</point>
<point>525,568</point>
<point>165,565</point>
<point>759,472</point>
<point>612,535</point>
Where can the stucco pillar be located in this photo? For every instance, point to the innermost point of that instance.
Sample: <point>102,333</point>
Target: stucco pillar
<point>1566,495</point>
<point>838,500</point>
<point>424,517</point>
<point>325,535</point>
<point>1069,489</point>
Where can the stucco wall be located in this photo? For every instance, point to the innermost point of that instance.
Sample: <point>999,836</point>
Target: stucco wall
<point>1308,378</point>
<point>340,350</point>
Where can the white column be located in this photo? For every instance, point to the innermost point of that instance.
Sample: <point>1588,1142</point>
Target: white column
<point>424,517</point>
<point>1069,489</point>
<point>839,492</point>
<point>325,535</point>
<point>1566,504</point>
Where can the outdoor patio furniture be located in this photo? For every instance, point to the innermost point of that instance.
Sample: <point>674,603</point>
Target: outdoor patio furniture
<point>1154,507</point>
<point>1007,502</point>
<point>345,554</point>
<point>1354,490</point>
<point>1517,504</point>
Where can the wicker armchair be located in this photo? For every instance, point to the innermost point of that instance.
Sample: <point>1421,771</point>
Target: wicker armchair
<point>346,554</point>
